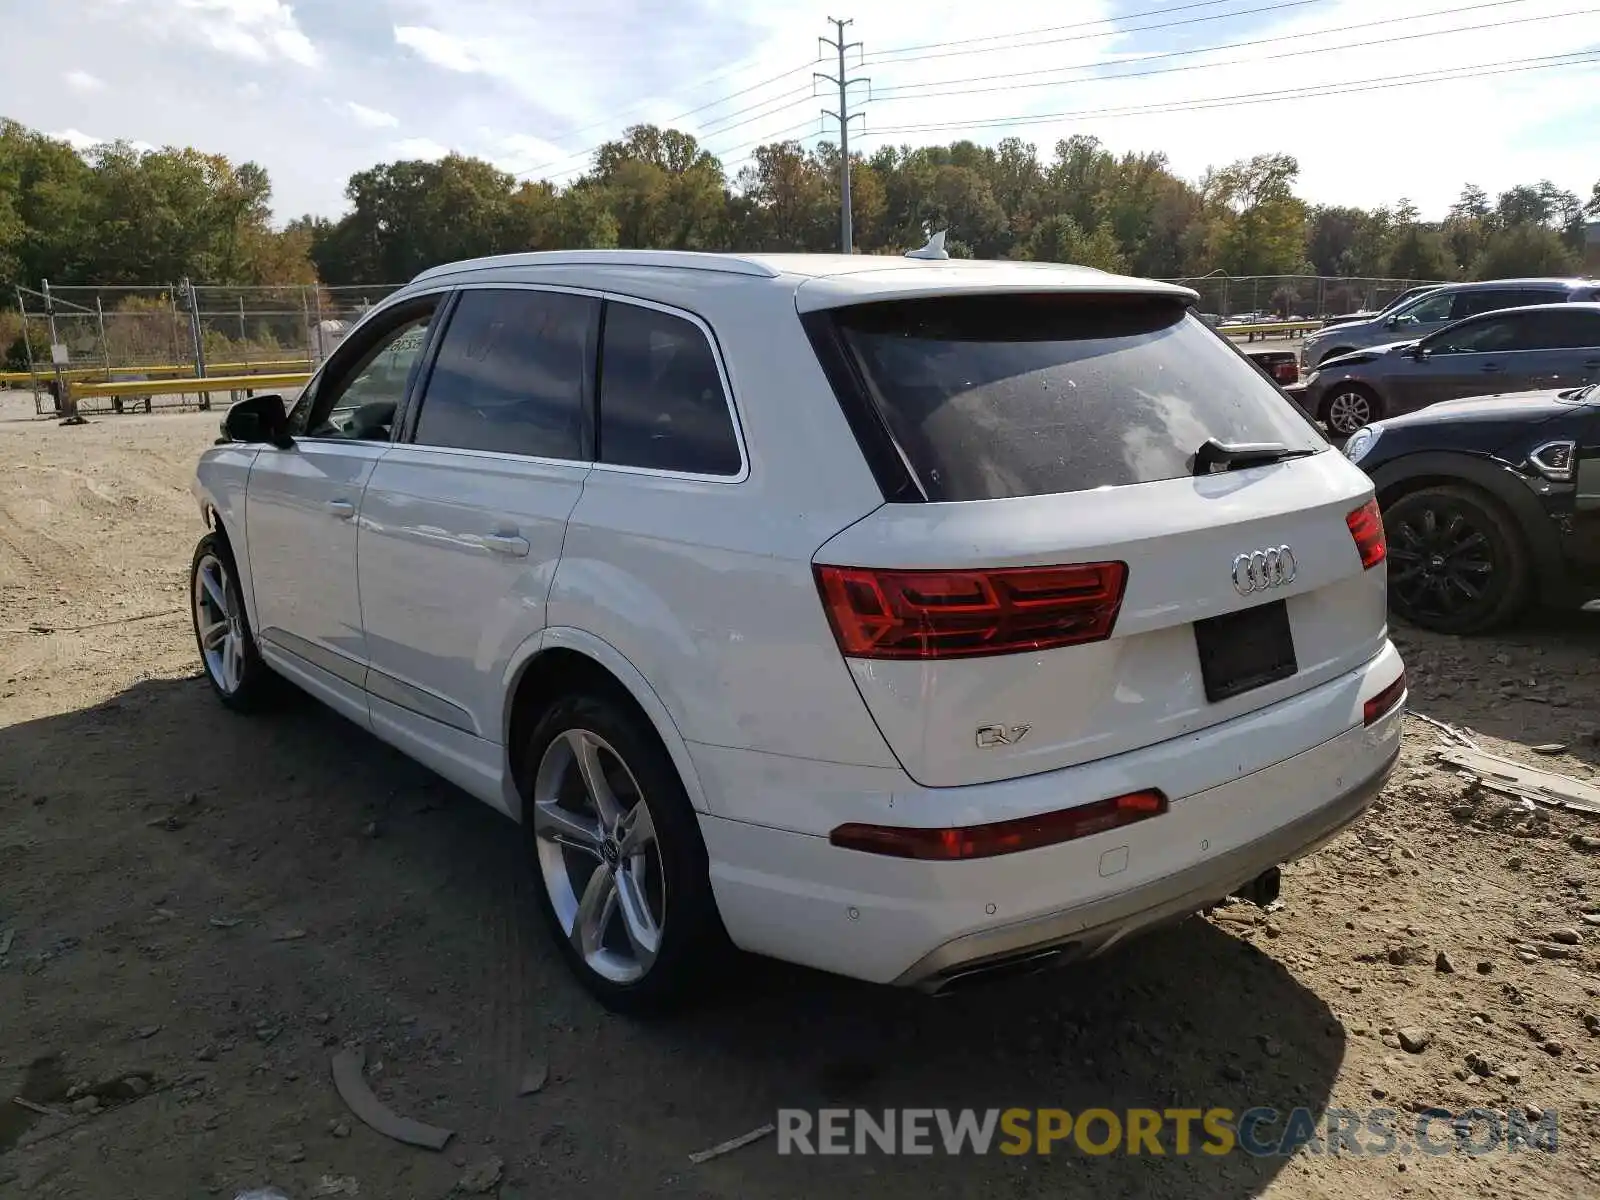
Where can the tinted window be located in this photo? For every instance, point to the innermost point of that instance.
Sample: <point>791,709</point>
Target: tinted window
<point>510,374</point>
<point>999,396</point>
<point>662,404</point>
<point>1564,329</point>
<point>1480,337</point>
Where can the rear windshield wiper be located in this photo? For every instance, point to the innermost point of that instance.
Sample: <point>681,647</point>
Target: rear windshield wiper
<point>1235,456</point>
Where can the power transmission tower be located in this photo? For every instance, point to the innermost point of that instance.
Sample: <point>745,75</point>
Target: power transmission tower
<point>844,116</point>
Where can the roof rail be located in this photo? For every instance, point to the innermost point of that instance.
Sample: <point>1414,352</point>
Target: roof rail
<point>682,260</point>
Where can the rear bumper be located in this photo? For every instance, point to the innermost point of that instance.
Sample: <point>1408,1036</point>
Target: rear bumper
<point>1090,929</point>
<point>797,897</point>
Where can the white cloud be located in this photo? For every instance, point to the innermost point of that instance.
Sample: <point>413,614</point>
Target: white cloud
<point>82,81</point>
<point>78,140</point>
<point>261,31</point>
<point>440,49</point>
<point>371,118</point>
<point>419,147</point>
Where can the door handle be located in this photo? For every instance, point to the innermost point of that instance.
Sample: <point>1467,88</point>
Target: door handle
<point>1592,365</point>
<point>1492,368</point>
<point>509,544</point>
<point>342,509</point>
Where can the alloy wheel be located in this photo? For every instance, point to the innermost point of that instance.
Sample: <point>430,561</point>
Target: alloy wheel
<point>1442,564</point>
<point>599,856</point>
<point>219,624</point>
<point>1348,411</point>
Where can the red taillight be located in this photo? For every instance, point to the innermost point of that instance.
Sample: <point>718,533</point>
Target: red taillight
<point>1003,837</point>
<point>961,614</point>
<point>1383,703</point>
<point>1366,526</point>
<point>1286,372</point>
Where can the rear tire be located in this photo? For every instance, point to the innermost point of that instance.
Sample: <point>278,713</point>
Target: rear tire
<point>1457,561</point>
<point>621,871</point>
<point>222,633</point>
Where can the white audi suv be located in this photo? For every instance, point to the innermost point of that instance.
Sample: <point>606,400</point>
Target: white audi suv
<point>915,620</point>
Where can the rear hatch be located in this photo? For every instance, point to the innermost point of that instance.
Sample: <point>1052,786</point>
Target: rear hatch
<point>1059,583</point>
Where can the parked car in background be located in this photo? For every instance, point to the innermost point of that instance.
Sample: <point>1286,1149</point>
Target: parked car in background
<point>1549,346</point>
<point>1490,504</point>
<point>1282,366</point>
<point>1367,314</point>
<point>907,619</point>
<point>1439,308</point>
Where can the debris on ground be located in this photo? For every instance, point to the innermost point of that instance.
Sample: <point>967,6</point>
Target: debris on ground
<point>1511,778</point>
<point>732,1144</point>
<point>482,1176</point>
<point>534,1076</point>
<point>348,1068</point>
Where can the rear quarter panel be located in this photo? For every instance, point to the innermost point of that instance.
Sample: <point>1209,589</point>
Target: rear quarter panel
<point>706,587</point>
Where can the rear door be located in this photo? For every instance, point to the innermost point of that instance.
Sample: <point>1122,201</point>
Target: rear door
<point>1480,357</point>
<point>462,522</point>
<point>1567,342</point>
<point>1070,588</point>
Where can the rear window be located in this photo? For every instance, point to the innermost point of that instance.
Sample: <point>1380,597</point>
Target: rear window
<point>999,396</point>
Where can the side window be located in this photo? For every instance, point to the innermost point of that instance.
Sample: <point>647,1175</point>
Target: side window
<point>360,389</point>
<point>662,403</point>
<point>1471,303</point>
<point>1493,334</point>
<point>1430,310</point>
<point>510,374</point>
<point>1572,329</point>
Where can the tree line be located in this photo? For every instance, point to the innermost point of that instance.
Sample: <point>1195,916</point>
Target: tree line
<point>114,215</point>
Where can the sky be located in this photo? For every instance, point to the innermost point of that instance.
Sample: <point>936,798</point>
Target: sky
<point>317,89</point>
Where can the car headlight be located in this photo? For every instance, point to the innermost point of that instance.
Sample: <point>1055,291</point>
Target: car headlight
<point>1360,443</point>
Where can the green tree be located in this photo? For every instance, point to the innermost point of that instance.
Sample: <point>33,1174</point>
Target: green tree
<point>1524,249</point>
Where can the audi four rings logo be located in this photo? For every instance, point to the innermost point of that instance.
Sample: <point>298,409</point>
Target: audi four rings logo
<point>1262,569</point>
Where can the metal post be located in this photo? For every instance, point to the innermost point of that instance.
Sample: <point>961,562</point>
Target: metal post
<point>305,324</point>
<point>172,301</point>
<point>244,343</point>
<point>105,346</point>
<point>844,116</point>
<point>194,330</point>
<point>316,300</point>
<point>27,344</point>
<point>65,404</point>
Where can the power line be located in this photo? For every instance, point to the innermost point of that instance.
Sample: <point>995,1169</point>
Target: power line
<point>994,37</point>
<point>584,153</point>
<point>1084,37</point>
<point>1234,62</point>
<point>1476,71</point>
<point>1012,76</point>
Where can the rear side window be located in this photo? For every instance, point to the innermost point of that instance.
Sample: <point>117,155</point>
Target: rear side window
<point>1491,335</point>
<point>662,404</point>
<point>1565,329</point>
<point>1000,396</point>
<point>510,374</point>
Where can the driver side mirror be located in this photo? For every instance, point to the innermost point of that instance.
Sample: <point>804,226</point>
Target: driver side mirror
<point>260,418</point>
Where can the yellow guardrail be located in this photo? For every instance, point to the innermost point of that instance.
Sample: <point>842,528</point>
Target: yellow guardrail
<point>1270,327</point>
<point>211,383</point>
<point>159,370</point>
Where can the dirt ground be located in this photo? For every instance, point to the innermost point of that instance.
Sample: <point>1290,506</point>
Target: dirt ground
<point>198,909</point>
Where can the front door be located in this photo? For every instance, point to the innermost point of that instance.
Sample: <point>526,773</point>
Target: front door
<point>1478,357</point>
<point>462,522</point>
<point>1583,547</point>
<point>301,508</point>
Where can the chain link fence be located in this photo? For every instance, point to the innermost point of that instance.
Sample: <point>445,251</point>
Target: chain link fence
<point>177,331</point>
<point>1239,298</point>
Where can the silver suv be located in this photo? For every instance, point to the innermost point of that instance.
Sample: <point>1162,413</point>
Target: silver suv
<point>1439,308</point>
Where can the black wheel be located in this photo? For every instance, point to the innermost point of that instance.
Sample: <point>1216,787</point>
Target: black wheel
<point>622,873</point>
<point>222,629</point>
<point>1348,407</point>
<point>1457,562</point>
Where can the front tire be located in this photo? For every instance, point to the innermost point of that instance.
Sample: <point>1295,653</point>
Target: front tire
<point>1457,561</point>
<point>622,873</point>
<point>1349,407</point>
<point>222,631</point>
